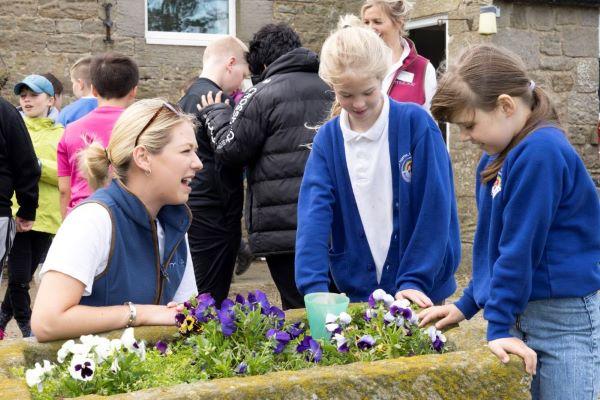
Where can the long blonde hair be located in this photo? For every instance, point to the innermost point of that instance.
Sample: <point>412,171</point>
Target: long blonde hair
<point>396,10</point>
<point>356,49</point>
<point>482,74</point>
<point>95,160</point>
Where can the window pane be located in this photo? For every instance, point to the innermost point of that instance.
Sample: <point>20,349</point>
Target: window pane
<point>193,16</point>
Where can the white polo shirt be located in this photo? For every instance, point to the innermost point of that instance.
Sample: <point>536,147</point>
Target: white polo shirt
<point>368,162</point>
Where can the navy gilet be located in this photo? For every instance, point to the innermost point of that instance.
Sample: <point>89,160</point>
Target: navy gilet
<point>134,271</point>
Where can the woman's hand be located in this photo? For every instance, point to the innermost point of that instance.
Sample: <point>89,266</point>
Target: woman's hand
<point>157,315</point>
<point>511,345</point>
<point>447,314</point>
<point>207,100</point>
<point>415,296</point>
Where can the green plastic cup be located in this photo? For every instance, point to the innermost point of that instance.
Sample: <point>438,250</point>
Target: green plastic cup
<point>318,305</point>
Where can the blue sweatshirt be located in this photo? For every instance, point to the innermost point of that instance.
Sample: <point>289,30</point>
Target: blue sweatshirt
<point>77,109</point>
<point>538,232</point>
<point>425,244</point>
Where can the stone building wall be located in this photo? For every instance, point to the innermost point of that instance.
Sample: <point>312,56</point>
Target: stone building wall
<point>38,36</point>
<point>313,19</point>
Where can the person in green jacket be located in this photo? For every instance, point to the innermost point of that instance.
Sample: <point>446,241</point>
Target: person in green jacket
<point>36,97</point>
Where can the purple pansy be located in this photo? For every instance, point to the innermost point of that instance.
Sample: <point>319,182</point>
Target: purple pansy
<point>161,347</point>
<point>380,296</point>
<point>179,318</point>
<point>257,297</point>
<point>311,349</point>
<point>282,339</point>
<point>205,300</point>
<point>296,329</point>
<point>369,314</point>
<point>365,342</point>
<point>341,343</point>
<point>227,319</point>
<point>241,369</point>
<point>437,338</point>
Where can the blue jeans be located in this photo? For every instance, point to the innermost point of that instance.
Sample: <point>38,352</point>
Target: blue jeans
<point>565,334</point>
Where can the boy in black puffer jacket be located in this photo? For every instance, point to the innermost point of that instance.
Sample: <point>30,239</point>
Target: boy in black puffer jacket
<point>270,132</point>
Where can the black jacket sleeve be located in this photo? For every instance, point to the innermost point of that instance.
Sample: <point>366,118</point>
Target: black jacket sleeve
<point>237,135</point>
<point>22,161</point>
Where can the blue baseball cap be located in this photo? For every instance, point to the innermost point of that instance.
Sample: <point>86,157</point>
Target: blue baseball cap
<point>37,84</point>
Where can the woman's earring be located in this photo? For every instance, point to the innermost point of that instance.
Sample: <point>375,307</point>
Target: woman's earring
<point>148,172</point>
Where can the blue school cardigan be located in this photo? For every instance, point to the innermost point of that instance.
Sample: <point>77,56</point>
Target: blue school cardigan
<point>538,232</point>
<point>425,244</point>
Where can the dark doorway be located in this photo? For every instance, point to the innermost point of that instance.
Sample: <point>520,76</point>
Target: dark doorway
<point>430,42</point>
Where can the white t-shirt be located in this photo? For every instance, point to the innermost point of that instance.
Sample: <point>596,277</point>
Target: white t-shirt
<point>368,162</point>
<point>430,78</point>
<point>81,246</point>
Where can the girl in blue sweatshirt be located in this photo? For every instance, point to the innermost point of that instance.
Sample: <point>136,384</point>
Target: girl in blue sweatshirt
<point>537,246</point>
<point>376,207</point>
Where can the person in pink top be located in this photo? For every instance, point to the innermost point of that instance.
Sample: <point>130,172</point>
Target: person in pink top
<point>114,83</point>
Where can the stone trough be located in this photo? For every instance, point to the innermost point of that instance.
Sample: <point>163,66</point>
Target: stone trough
<point>468,372</point>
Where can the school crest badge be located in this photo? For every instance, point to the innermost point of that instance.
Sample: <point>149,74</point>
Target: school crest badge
<point>406,167</point>
<point>497,187</point>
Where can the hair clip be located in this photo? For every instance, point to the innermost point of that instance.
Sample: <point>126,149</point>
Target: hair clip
<point>531,85</point>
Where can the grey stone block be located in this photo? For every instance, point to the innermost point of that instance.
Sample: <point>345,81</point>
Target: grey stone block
<point>580,41</point>
<point>65,43</point>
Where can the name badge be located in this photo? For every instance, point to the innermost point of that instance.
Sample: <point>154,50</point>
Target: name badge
<point>406,76</point>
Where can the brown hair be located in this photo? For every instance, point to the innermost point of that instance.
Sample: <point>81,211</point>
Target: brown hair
<point>396,10</point>
<point>481,75</point>
<point>113,75</point>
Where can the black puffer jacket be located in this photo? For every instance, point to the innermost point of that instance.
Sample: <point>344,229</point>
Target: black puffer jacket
<point>270,131</point>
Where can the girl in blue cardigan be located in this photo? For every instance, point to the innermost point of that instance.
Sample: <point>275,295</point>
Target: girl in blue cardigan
<point>376,207</point>
<point>537,246</point>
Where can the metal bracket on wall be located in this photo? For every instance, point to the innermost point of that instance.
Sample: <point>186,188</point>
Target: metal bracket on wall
<point>107,22</point>
<point>469,21</point>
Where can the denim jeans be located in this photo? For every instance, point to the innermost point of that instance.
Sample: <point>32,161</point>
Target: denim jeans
<point>565,334</point>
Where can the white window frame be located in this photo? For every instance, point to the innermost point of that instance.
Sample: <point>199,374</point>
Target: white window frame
<point>186,38</point>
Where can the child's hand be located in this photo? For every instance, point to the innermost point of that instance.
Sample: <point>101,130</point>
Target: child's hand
<point>447,314</point>
<point>415,296</point>
<point>207,100</point>
<point>502,347</point>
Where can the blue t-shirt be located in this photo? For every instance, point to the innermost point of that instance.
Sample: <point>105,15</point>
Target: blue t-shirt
<point>76,110</point>
<point>538,231</point>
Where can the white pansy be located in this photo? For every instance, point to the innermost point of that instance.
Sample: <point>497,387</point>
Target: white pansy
<point>433,333</point>
<point>345,318</point>
<point>65,350</point>
<point>331,327</point>
<point>402,303</point>
<point>128,340</point>
<point>330,318</point>
<point>36,375</point>
<point>379,295</point>
<point>114,367</point>
<point>103,350</point>
<point>82,368</point>
<point>388,317</point>
<point>388,299</point>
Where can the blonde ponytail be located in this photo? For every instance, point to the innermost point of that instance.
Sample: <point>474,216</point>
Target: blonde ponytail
<point>94,165</point>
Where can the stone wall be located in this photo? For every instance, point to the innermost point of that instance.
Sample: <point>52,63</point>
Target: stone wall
<point>313,19</point>
<point>38,36</point>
